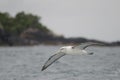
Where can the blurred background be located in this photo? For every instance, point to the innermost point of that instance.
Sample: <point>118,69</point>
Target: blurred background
<point>33,30</point>
<point>32,22</point>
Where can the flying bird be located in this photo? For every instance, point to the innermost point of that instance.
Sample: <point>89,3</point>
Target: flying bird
<point>80,50</point>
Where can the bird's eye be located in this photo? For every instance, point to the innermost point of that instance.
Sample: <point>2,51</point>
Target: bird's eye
<point>72,47</point>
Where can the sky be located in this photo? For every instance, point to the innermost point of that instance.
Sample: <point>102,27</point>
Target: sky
<point>92,19</point>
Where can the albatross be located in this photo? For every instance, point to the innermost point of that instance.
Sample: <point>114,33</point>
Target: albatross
<point>74,50</point>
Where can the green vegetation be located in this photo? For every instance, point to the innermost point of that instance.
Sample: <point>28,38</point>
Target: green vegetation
<point>26,29</point>
<point>16,25</point>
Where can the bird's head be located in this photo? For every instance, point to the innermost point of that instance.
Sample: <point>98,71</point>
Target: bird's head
<point>62,49</point>
<point>65,48</point>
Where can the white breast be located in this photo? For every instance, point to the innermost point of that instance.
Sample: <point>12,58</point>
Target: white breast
<point>75,51</point>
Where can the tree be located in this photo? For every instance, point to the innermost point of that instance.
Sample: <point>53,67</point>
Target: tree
<point>16,25</point>
<point>6,21</point>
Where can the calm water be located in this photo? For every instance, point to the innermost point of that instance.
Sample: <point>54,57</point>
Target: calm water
<point>25,63</point>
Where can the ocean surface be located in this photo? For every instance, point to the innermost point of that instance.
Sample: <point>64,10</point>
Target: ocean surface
<point>25,63</point>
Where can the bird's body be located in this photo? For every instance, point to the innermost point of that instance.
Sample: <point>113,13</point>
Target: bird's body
<point>70,50</point>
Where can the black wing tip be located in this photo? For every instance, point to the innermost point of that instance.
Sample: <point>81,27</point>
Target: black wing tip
<point>43,68</point>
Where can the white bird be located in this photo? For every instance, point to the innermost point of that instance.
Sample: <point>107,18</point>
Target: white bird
<point>80,50</point>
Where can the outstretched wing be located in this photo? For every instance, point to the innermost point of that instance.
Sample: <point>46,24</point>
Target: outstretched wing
<point>87,44</point>
<point>52,59</point>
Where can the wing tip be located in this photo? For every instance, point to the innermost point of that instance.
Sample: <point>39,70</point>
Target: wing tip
<point>43,68</point>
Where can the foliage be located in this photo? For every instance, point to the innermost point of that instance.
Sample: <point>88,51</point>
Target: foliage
<point>16,25</point>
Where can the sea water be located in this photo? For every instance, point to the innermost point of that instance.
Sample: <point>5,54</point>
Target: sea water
<point>25,63</point>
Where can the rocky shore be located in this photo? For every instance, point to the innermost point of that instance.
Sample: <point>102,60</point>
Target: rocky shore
<point>33,36</point>
<point>26,29</point>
